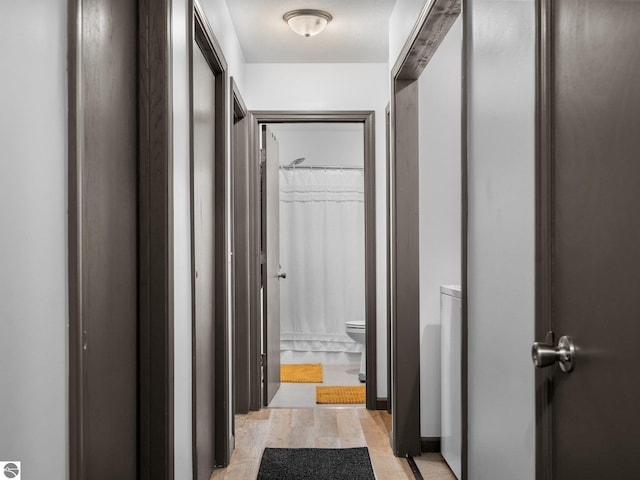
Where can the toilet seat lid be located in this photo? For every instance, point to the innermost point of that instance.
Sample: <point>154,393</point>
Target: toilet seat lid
<point>355,324</point>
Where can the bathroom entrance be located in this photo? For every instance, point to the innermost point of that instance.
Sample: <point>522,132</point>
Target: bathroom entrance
<point>316,187</point>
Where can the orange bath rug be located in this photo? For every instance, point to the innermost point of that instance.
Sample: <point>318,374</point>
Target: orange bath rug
<point>301,373</point>
<point>355,394</point>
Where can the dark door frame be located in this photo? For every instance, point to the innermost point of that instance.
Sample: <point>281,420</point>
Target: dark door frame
<point>435,20</point>
<point>156,287</point>
<point>387,121</point>
<point>201,31</point>
<point>241,240</point>
<point>367,118</point>
<point>255,267</point>
<point>155,238</point>
<point>544,238</point>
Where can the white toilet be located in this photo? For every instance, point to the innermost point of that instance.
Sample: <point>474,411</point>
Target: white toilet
<point>356,330</point>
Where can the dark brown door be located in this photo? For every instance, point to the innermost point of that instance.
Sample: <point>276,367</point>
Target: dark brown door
<point>593,247</point>
<point>271,267</point>
<point>203,211</point>
<point>103,242</point>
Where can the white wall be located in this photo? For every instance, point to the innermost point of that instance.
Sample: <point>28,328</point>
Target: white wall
<point>440,90</point>
<point>403,17</point>
<point>33,242</point>
<point>336,144</point>
<point>220,20</point>
<point>335,86</point>
<point>501,75</point>
<point>181,245</point>
<point>218,16</point>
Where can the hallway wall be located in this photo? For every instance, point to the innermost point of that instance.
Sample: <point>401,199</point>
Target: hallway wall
<point>335,86</point>
<point>403,17</point>
<point>220,20</point>
<point>337,145</point>
<point>33,242</point>
<point>501,76</point>
<point>181,246</point>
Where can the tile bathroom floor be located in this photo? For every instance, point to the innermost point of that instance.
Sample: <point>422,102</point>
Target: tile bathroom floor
<point>303,395</point>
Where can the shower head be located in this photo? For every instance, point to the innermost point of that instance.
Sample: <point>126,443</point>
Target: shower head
<point>297,161</point>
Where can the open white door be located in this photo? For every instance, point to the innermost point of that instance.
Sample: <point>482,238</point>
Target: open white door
<point>271,261</point>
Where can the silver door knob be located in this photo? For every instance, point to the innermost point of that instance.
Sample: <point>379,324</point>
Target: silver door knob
<point>545,354</point>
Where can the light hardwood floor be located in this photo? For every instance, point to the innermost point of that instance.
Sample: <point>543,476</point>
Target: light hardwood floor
<point>433,467</point>
<point>322,428</point>
<point>313,427</point>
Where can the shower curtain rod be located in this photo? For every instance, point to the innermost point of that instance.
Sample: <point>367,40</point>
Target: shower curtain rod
<point>317,167</point>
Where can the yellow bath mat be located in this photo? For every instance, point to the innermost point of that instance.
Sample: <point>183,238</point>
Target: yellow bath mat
<point>301,373</point>
<point>355,394</point>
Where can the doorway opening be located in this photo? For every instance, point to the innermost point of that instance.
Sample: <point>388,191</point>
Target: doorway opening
<point>427,237</point>
<point>318,244</point>
<point>321,257</point>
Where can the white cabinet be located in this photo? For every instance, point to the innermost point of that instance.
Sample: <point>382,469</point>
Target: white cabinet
<point>451,434</point>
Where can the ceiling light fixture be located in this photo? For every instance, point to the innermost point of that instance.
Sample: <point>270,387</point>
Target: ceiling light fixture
<point>307,22</point>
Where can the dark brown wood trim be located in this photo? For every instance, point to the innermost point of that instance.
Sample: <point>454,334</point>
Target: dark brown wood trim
<point>464,321</point>
<point>387,116</point>
<point>544,234</point>
<point>239,107</point>
<point>367,118</point>
<point>382,404</point>
<point>370,259</point>
<point>201,31</point>
<point>223,412</point>
<point>155,241</point>
<point>432,26</point>
<point>75,136</point>
<point>312,116</point>
<point>255,319</point>
<point>405,271</point>
<point>222,308</point>
<point>430,444</point>
<point>241,239</point>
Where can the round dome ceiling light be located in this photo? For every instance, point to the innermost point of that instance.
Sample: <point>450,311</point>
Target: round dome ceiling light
<point>307,23</point>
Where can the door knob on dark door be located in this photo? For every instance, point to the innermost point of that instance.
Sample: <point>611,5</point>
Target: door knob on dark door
<point>545,354</point>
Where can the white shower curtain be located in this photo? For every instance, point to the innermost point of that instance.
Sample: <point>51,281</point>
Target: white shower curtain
<point>322,252</point>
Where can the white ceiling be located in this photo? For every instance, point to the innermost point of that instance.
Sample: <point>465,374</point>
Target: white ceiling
<point>358,32</point>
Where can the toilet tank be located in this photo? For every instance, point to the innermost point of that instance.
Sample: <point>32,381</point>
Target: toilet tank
<point>451,375</point>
